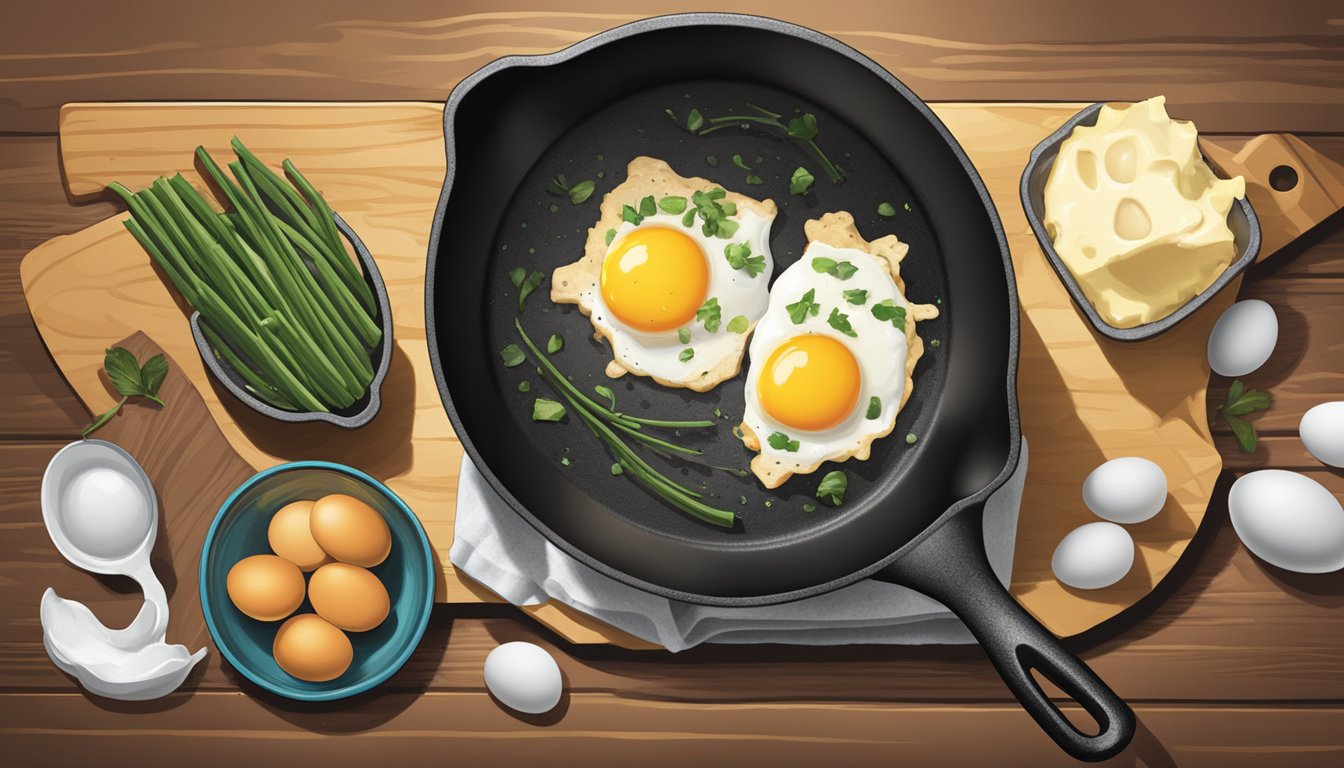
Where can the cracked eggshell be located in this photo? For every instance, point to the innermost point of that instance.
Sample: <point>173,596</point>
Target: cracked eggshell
<point>1129,489</point>
<point>1243,338</point>
<point>523,677</point>
<point>1322,432</point>
<point>1288,520</point>
<point>1093,556</point>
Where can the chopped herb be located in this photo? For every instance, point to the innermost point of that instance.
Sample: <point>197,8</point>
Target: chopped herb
<point>647,206</point>
<point>599,157</point>
<point>740,163</point>
<point>888,310</point>
<point>800,181</point>
<point>856,296</point>
<point>781,442</point>
<point>910,438</point>
<point>529,285</point>
<point>841,269</point>
<point>547,410</point>
<point>809,507</point>
<point>555,344</point>
<point>577,193</point>
<point>516,276</point>
<point>611,235</point>
<point>554,207</point>
<point>130,379</point>
<point>629,214</point>
<point>742,500</point>
<point>874,407</point>
<point>906,206</point>
<point>840,322</point>
<point>686,355</point>
<point>512,355</point>
<point>672,204</point>
<point>558,186</point>
<point>709,314</point>
<point>935,343</point>
<point>738,324</point>
<point>524,386</point>
<point>694,121</point>
<point>831,491</point>
<point>1240,403</point>
<point>714,212</point>
<point>564,460</point>
<point>684,335</point>
<point>886,209</point>
<point>689,219</point>
<point>804,127</point>
<point>739,257</point>
<point>800,309</point>
<point>606,393</point>
<point>754,180</point>
<point>712,161</point>
<point>616,469</point>
<point>718,414</point>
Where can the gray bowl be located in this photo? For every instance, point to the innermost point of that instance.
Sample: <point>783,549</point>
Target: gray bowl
<point>1241,220</point>
<point>361,411</point>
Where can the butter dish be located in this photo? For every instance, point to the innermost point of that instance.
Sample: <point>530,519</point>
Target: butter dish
<point>1242,222</point>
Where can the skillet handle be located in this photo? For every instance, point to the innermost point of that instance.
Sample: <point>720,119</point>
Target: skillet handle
<point>951,567</point>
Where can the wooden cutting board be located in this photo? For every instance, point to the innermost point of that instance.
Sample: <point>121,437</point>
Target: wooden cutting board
<point>1084,399</point>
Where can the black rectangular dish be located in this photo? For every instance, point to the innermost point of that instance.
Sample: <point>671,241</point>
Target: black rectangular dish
<point>1241,220</point>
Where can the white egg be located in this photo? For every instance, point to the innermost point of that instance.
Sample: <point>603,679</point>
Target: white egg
<point>1288,520</point>
<point>736,292</point>
<point>1093,556</point>
<point>1126,490</point>
<point>524,677</point>
<point>1243,338</point>
<point>870,376</point>
<point>1322,432</point>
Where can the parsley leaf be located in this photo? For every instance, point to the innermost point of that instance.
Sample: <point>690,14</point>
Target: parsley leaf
<point>804,127</point>
<point>694,121</point>
<point>581,192</point>
<point>130,379</point>
<point>840,322</point>
<point>608,394</point>
<point>886,209</point>
<point>547,410</point>
<point>831,491</point>
<point>555,344</point>
<point>781,442</point>
<point>800,181</point>
<point>529,285</point>
<point>888,310</point>
<point>841,269</point>
<point>647,206</point>
<point>629,214</point>
<point>740,163</point>
<point>874,407</point>
<point>800,309</point>
<point>856,296</point>
<point>709,314</point>
<point>611,235</point>
<point>1242,402</point>
<point>672,204</point>
<point>684,335</point>
<point>713,213</point>
<point>739,324</point>
<point>516,276</point>
<point>512,355</point>
<point>686,355</point>
<point>739,257</point>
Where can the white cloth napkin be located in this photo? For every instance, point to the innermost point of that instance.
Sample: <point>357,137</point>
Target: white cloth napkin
<point>497,548</point>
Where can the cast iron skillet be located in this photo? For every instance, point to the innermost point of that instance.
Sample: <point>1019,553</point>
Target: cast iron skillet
<point>912,514</point>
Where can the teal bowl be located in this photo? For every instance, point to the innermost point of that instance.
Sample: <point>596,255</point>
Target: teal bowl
<point>239,531</point>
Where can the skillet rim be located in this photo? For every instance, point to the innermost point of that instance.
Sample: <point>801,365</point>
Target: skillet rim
<point>673,21</point>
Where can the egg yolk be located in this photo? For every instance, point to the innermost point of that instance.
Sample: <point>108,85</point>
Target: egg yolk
<point>655,279</point>
<point>809,383</point>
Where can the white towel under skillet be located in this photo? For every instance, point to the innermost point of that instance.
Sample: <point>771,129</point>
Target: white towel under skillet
<point>497,548</point>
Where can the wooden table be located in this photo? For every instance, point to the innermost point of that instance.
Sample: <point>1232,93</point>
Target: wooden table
<point>1229,662</point>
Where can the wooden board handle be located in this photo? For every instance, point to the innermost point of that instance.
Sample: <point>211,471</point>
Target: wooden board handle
<point>1291,186</point>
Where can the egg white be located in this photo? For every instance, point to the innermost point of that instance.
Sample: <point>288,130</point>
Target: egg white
<point>657,354</point>
<point>879,347</point>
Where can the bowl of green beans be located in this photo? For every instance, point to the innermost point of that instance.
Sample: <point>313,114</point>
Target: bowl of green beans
<point>285,318</point>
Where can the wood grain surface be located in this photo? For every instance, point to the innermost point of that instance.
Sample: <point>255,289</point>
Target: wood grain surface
<point>376,164</point>
<point>1229,662</point>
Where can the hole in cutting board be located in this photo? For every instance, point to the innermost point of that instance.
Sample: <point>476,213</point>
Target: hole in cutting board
<point>1283,178</point>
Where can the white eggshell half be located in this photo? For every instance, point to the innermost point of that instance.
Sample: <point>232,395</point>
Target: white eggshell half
<point>1126,490</point>
<point>1322,432</point>
<point>1093,556</point>
<point>1288,520</point>
<point>1243,338</point>
<point>524,677</point>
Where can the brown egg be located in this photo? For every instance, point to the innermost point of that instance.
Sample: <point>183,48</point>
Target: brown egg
<point>291,538</point>
<point>350,530</point>
<point>348,596</point>
<point>265,587</point>
<point>311,649</point>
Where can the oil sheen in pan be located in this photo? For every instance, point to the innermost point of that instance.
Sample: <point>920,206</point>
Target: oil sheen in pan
<point>541,231</point>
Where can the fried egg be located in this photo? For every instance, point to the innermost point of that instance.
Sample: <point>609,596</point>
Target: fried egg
<point>674,276</point>
<point>833,355</point>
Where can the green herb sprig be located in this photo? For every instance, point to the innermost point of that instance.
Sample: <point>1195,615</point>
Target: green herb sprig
<point>577,194</point>
<point>803,128</point>
<point>1240,403</point>
<point>130,379</point>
